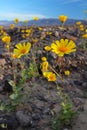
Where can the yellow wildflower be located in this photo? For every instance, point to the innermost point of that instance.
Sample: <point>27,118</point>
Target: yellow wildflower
<point>1,27</point>
<point>6,39</point>
<point>67,72</point>
<point>12,26</point>
<point>35,40</point>
<point>39,28</point>
<point>48,33</point>
<point>16,20</point>
<point>78,23</point>
<point>35,18</point>
<point>84,35</point>
<point>43,58</point>
<point>47,48</point>
<point>25,21</point>
<point>63,47</point>
<point>27,34</point>
<point>50,76</point>
<point>86,30</point>
<point>44,66</point>
<point>7,46</point>
<point>63,18</point>
<point>23,36</point>
<point>22,31</point>
<point>22,49</point>
<point>14,56</point>
<point>81,26</point>
<point>4,33</point>
<point>28,30</point>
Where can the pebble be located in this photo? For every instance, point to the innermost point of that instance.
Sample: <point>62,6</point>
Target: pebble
<point>65,129</point>
<point>10,121</point>
<point>36,116</point>
<point>24,119</point>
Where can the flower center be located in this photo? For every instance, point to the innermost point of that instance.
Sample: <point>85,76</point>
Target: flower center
<point>63,49</point>
<point>7,39</point>
<point>51,77</point>
<point>23,51</point>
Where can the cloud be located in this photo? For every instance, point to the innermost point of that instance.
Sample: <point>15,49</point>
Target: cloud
<point>71,1</point>
<point>12,16</point>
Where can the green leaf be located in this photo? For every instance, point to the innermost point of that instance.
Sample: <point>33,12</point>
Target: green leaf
<point>2,107</point>
<point>13,96</point>
<point>3,125</point>
<point>11,82</point>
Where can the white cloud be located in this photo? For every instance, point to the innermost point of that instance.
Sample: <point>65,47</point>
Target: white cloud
<point>12,16</point>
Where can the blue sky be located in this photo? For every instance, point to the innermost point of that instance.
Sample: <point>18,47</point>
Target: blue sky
<point>26,9</point>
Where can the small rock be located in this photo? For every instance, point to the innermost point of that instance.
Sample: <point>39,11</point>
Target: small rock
<point>9,121</point>
<point>2,62</point>
<point>65,129</point>
<point>84,86</point>
<point>1,89</point>
<point>64,82</point>
<point>41,98</point>
<point>56,109</point>
<point>79,92</point>
<point>23,119</point>
<point>56,33</point>
<point>77,82</point>
<point>79,103</point>
<point>47,111</point>
<point>36,116</point>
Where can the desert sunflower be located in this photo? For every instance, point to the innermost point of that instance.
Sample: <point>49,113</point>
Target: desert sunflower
<point>35,18</point>
<point>44,66</point>
<point>63,18</point>
<point>50,76</point>
<point>16,20</point>
<point>63,47</point>
<point>6,39</point>
<point>84,35</point>
<point>21,49</point>
<point>12,26</point>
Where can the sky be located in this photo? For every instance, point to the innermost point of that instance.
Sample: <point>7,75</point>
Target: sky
<point>26,9</point>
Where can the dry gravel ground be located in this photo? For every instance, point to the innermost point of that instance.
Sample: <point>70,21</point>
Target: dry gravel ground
<point>81,122</point>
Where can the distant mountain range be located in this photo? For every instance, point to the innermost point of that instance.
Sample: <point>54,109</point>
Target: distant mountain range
<point>43,22</point>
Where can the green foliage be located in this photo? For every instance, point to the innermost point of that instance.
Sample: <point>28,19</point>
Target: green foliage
<point>15,98</point>
<point>23,77</point>
<point>32,70</point>
<point>84,44</point>
<point>65,117</point>
<point>67,113</point>
<point>3,125</point>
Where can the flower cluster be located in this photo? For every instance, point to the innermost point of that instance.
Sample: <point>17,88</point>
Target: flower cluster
<point>50,76</point>
<point>26,33</point>
<point>45,70</point>
<point>6,39</point>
